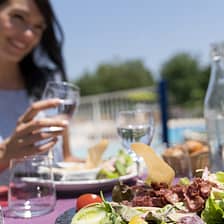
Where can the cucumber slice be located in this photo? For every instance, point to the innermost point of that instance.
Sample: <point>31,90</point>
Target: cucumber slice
<point>90,215</point>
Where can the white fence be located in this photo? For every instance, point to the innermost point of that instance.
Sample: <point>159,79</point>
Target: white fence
<point>106,106</point>
<point>96,115</point>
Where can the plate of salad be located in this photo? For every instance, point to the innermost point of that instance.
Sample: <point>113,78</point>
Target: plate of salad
<point>118,168</point>
<point>197,201</point>
<point>113,170</point>
<point>159,199</point>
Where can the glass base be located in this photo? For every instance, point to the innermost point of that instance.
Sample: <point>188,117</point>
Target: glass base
<point>22,212</point>
<point>140,163</point>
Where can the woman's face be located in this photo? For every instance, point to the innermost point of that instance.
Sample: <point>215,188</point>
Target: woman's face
<point>21,28</point>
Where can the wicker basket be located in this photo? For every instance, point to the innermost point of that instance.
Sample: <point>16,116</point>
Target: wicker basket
<point>185,162</point>
<point>199,160</point>
<point>180,164</point>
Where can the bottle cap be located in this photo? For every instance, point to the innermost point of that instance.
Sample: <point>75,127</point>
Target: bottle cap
<point>217,50</point>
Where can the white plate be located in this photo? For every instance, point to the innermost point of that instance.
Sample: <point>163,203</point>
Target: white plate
<point>70,165</point>
<point>92,185</point>
<point>79,175</point>
<point>84,185</point>
<point>70,171</point>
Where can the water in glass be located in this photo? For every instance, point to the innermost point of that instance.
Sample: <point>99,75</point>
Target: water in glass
<point>31,187</point>
<point>69,96</point>
<point>135,126</point>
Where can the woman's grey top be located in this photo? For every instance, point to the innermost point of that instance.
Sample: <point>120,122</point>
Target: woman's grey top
<point>13,103</point>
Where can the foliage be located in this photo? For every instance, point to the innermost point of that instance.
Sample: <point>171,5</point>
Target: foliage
<point>142,96</point>
<point>114,76</point>
<point>204,79</point>
<point>187,81</point>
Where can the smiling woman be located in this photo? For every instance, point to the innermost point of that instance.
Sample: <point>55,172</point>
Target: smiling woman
<point>30,55</point>
<point>21,31</point>
<point>28,38</point>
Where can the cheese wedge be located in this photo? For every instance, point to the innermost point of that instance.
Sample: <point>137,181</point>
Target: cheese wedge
<point>95,153</point>
<point>158,170</point>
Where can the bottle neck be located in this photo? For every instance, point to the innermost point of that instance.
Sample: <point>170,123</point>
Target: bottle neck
<point>217,69</point>
<point>214,98</point>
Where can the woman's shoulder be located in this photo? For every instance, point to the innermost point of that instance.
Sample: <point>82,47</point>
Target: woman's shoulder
<point>13,93</point>
<point>14,97</point>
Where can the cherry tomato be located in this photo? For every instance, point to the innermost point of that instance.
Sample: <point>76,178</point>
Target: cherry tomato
<point>86,199</point>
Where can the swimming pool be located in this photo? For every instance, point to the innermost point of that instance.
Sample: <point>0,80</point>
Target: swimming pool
<point>176,135</point>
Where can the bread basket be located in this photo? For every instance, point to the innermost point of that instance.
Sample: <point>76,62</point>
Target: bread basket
<point>193,154</point>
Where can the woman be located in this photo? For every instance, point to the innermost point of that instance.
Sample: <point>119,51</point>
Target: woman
<point>30,55</point>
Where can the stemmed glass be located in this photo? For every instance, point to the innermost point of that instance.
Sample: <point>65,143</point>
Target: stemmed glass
<point>69,95</point>
<point>135,126</point>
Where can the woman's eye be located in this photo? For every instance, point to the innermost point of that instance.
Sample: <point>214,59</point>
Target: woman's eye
<point>38,29</point>
<point>18,20</point>
<point>18,17</point>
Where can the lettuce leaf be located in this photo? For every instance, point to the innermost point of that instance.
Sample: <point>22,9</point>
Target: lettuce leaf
<point>122,163</point>
<point>220,176</point>
<point>213,212</point>
<point>184,181</point>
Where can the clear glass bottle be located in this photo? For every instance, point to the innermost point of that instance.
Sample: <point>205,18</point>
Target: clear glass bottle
<point>214,108</point>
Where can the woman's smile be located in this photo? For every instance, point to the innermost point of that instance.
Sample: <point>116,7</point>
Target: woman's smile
<point>17,44</point>
<point>16,47</point>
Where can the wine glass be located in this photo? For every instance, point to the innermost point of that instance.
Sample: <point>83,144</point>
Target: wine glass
<point>135,126</point>
<point>69,95</point>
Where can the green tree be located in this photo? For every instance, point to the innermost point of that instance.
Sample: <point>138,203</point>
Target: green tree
<point>89,84</point>
<point>114,76</point>
<point>186,80</point>
<point>204,79</point>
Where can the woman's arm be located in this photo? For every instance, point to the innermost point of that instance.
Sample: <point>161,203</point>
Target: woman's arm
<point>68,157</point>
<point>3,162</point>
<point>28,133</point>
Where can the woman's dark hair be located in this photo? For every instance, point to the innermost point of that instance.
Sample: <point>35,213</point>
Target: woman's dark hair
<point>46,59</point>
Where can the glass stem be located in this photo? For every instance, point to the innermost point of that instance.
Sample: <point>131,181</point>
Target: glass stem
<point>138,167</point>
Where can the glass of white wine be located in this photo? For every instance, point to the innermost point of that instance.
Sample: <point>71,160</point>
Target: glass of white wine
<point>135,126</point>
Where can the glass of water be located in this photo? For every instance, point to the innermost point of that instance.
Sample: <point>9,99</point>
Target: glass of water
<point>31,187</point>
<point>68,93</point>
<point>1,216</point>
<point>135,126</point>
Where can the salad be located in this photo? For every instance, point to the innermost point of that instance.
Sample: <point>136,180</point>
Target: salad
<point>119,165</point>
<point>198,201</point>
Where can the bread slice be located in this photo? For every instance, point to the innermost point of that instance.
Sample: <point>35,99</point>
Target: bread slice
<point>94,157</point>
<point>158,170</point>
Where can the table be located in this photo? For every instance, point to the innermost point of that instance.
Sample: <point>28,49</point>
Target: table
<point>64,202</point>
<point>61,206</point>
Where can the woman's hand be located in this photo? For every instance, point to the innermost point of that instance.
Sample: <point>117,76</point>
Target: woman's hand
<point>27,134</point>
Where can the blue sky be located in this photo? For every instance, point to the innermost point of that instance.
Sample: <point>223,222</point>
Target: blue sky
<point>99,31</point>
